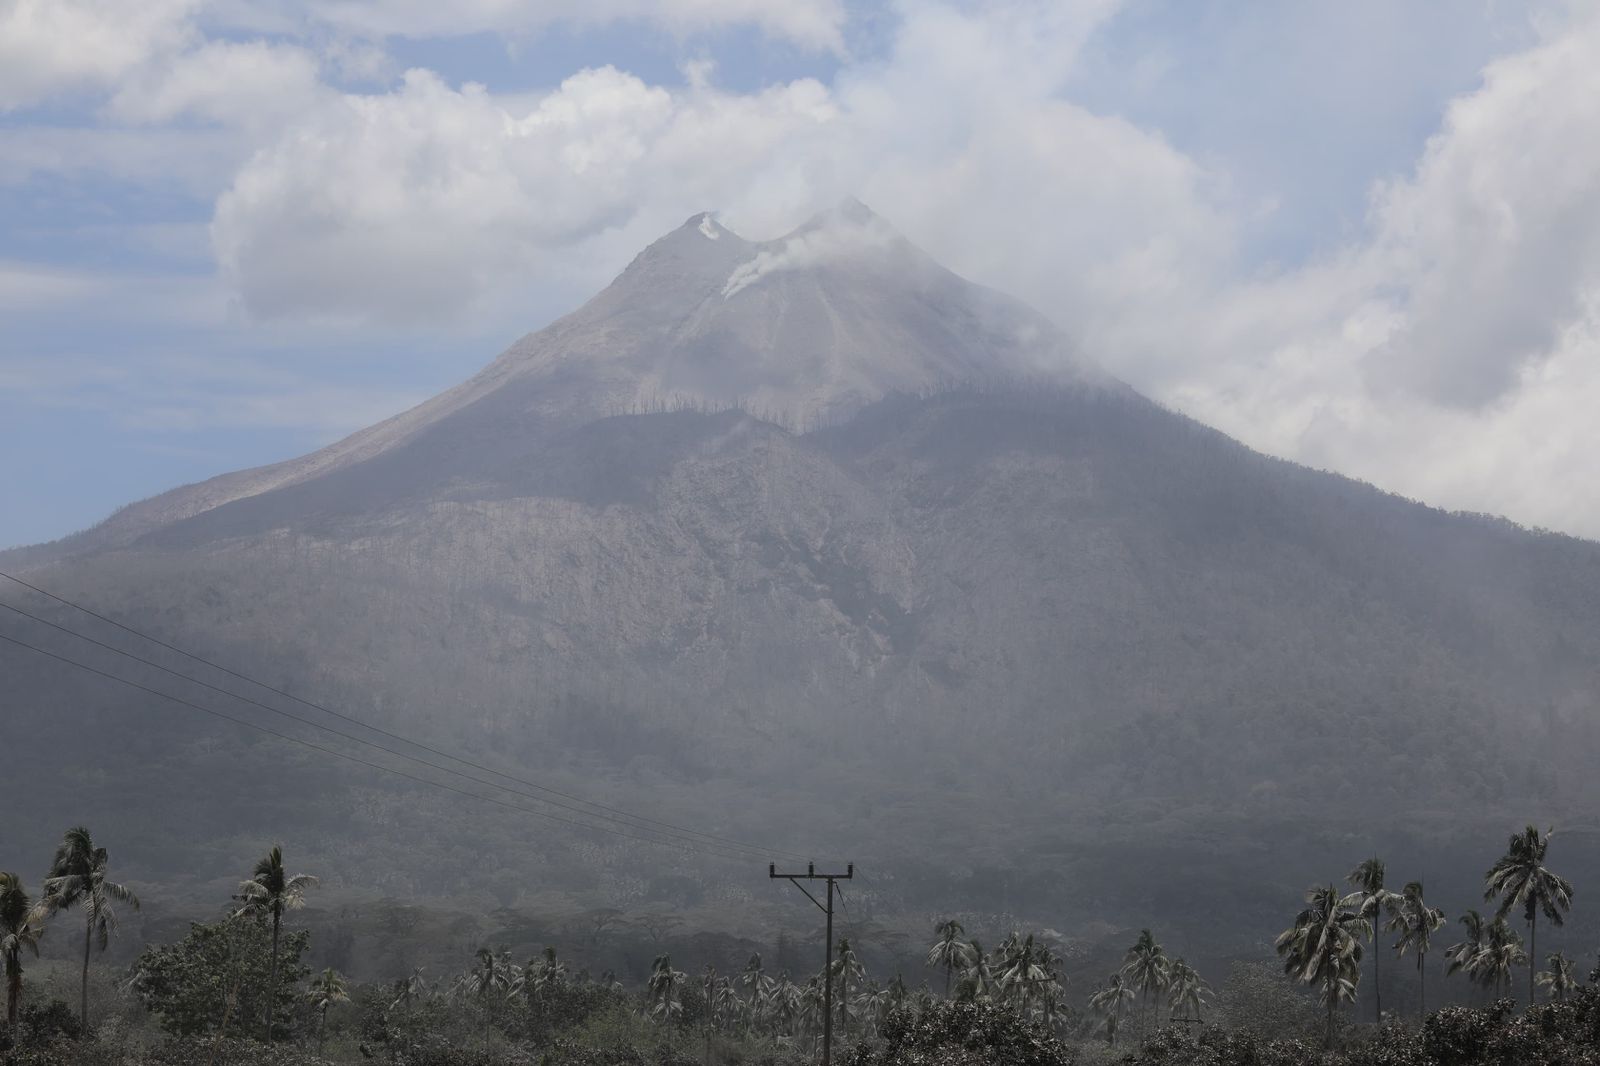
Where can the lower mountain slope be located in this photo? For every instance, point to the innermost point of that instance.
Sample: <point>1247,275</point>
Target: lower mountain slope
<point>1057,652</point>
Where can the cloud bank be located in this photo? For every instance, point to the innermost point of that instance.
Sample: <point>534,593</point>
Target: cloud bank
<point>1445,346</point>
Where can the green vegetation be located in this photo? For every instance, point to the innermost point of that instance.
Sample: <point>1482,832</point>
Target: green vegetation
<point>239,990</point>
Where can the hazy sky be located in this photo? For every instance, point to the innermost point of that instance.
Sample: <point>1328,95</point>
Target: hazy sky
<point>1364,235</point>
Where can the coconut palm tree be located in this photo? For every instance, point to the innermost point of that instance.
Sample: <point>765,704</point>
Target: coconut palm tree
<point>846,966</point>
<point>873,1005</point>
<point>1323,948</point>
<point>19,932</point>
<point>267,895</point>
<point>949,950</point>
<point>78,879</point>
<point>1369,900</point>
<point>1521,879</point>
<point>1147,967</point>
<point>1111,1003</point>
<point>1187,991</point>
<point>1415,922</point>
<point>1460,955</point>
<point>1500,954</point>
<point>1559,981</point>
<point>1021,971</point>
<point>488,981</point>
<point>327,988</point>
<point>977,980</point>
<point>409,989</point>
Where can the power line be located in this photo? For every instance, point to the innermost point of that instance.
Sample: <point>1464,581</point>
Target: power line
<point>666,831</point>
<point>711,837</point>
<point>706,849</point>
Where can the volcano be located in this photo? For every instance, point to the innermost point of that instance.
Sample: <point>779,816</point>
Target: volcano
<point>811,540</point>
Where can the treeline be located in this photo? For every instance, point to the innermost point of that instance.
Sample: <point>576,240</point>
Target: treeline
<point>241,982</point>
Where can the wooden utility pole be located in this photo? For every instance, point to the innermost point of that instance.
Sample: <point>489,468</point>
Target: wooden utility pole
<point>827,966</point>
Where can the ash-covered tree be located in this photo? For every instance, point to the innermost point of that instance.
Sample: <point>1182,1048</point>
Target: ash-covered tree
<point>1414,922</point>
<point>19,933</point>
<point>1323,948</point>
<point>1148,969</point>
<point>949,951</point>
<point>78,879</point>
<point>218,972</point>
<point>1560,980</point>
<point>1187,991</point>
<point>326,990</point>
<point>1521,879</point>
<point>267,895</point>
<point>1112,1002</point>
<point>1498,958</point>
<point>1369,900</point>
<point>1460,956</point>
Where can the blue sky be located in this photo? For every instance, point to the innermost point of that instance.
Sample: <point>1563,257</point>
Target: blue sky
<point>1364,236</point>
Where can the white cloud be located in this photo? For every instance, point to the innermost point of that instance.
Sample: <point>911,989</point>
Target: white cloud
<point>1449,350</point>
<point>425,199</point>
<point>419,201</point>
<point>245,84</point>
<point>1452,354</point>
<point>812,23</point>
<point>55,46</point>
<point>1497,235</point>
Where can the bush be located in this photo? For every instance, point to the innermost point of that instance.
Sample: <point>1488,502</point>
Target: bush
<point>190,984</point>
<point>961,1034</point>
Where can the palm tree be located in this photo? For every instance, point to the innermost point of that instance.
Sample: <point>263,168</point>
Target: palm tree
<point>1323,947</point>
<point>1559,981</point>
<point>1147,966</point>
<point>977,982</point>
<point>542,973</point>
<point>268,894</point>
<point>326,989</point>
<point>1500,954</point>
<point>949,950</point>
<point>726,1005</point>
<point>1187,991</point>
<point>491,977</point>
<point>1111,1003</point>
<point>784,1005</point>
<point>666,990</point>
<point>1415,922</point>
<point>1369,900</point>
<point>1462,953</point>
<point>1021,970</point>
<point>19,931</point>
<point>1521,878</point>
<point>760,985</point>
<point>408,989</point>
<point>845,967</point>
<point>78,878</point>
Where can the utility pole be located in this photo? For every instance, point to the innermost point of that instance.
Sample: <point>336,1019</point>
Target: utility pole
<point>827,966</point>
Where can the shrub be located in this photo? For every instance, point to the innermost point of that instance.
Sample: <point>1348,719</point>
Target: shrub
<point>961,1034</point>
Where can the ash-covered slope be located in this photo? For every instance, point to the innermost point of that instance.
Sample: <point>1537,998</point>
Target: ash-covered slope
<point>801,330</point>
<point>1042,632</point>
